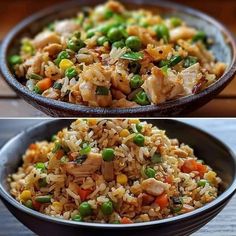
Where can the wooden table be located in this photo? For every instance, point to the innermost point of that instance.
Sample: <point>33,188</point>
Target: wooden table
<point>13,11</point>
<point>223,225</point>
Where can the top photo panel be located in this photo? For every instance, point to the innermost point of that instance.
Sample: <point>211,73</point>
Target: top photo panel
<point>130,58</point>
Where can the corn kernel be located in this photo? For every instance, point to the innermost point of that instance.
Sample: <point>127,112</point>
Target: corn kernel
<point>25,195</point>
<point>92,121</point>
<point>210,176</point>
<point>65,64</point>
<point>124,133</point>
<point>57,205</point>
<point>134,121</point>
<point>122,179</point>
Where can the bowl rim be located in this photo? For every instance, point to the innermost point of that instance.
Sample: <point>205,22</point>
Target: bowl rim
<point>223,197</point>
<point>82,109</point>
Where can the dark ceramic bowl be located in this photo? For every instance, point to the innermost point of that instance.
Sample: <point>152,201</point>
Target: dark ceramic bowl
<point>224,49</point>
<point>211,150</point>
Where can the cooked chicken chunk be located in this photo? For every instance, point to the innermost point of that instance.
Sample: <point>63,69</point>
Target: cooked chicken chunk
<point>45,38</point>
<point>153,186</point>
<point>160,87</point>
<point>92,163</point>
<point>66,27</point>
<point>181,32</point>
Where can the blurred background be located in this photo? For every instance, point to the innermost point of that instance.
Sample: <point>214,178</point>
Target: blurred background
<point>13,11</point>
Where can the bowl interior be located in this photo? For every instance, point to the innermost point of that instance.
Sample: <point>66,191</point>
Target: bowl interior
<point>206,147</point>
<point>221,49</point>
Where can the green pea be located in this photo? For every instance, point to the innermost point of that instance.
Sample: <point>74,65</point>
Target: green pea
<point>141,98</point>
<point>85,209</point>
<point>139,140</point>
<point>174,60</point>
<point>57,85</point>
<point>43,199</point>
<point>202,183</point>
<point>199,36</point>
<point>163,63</point>
<point>91,32</point>
<point>57,147</point>
<point>101,90</point>
<point>75,44</point>
<point>40,166</point>
<point>77,218</point>
<point>139,128</point>
<point>134,43</point>
<point>62,55</point>
<point>107,208</point>
<point>102,40</point>
<point>42,182</point>
<point>86,150</point>
<point>136,81</point>
<point>116,222</point>
<point>29,204</point>
<point>162,32</point>
<point>134,67</point>
<point>114,34</point>
<point>14,60</point>
<point>189,61</point>
<point>108,14</point>
<point>108,154</point>
<point>156,158</point>
<point>118,44</point>
<point>53,138</point>
<point>71,73</point>
<point>175,21</point>
<point>150,173</point>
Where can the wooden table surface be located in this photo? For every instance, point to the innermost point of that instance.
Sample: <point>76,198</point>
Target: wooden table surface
<point>11,12</point>
<point>223,225</point>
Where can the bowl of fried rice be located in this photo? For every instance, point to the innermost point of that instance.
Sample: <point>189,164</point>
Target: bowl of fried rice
<point>114,176</point>
<point>129,59</point>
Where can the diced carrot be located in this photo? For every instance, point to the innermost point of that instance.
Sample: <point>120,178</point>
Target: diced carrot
<point>168,179</point>
<point>189,166</point>
<point>59,154</point>
<point>83,193</point>
<point>32,146</point>
<point>126,220</point>
<point>162,201</point>
<point>44,84</point>
<point>36,205</point>
<point>202,169</point>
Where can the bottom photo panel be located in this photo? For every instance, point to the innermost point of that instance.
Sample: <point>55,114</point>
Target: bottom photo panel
<point>115,177</point>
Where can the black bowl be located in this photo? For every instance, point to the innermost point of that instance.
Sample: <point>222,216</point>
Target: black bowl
<point>224,49</point>
<point>211,150</point>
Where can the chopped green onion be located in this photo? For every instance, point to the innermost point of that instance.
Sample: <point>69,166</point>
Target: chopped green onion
<point>136,81</point>
<point>199,36</point>
<point>43,199</point>
<point>35,76</point>
<point>189,61</point>
<point>71,73</point>
<point>57,146</point>
<point>86,150</point>
<point>141,98</point>
<point>101,90</point>
<point>150,173</point>
<point>133,56</point>
<point>139,128</point>
<point>156,158</point>
<point>57,85</point>
<point>40,166</point>
<point>14,60</point>
<point>202,183</point>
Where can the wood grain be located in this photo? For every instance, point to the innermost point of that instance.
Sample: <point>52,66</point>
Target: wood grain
<point>223,225</point>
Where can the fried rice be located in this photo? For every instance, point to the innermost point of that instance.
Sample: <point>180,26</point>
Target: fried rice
<point>113,171</point>
<point>109,56</point>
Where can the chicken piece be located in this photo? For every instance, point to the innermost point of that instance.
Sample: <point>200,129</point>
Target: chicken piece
<point>53,49</point>
<point>52,71</point>
<point>115,6</point>
<point>92,163</point>
<point>146,199</point>
<point>34,64</point>
<point>108,170</point>
<point>117,94</point>
<point>160,52</point>
<point>190,77</point>
<point>120,82</point>
<point>160,87</point>
<point>45,38</point>
<point>75,97</point>
<point>146,36</point>
<point>51,93</point>
<point>66,27</point>
<point>124,103</point>
<point>181,32</point>
<point>153,186</point>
